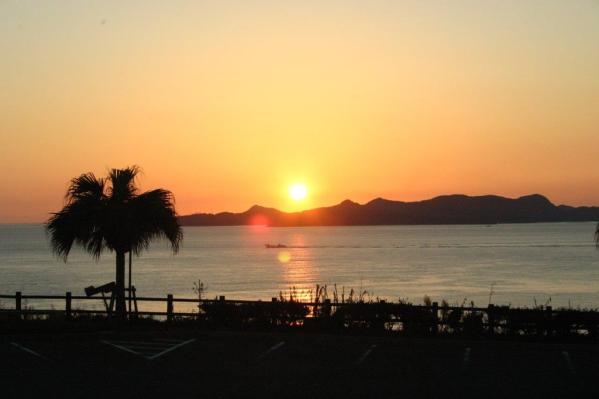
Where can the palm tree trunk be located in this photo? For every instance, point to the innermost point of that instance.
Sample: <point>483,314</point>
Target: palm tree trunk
<point>129,281</point>
<point>120,285</point>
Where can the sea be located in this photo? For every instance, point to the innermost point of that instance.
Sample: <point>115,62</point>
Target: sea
<point>526,265</point>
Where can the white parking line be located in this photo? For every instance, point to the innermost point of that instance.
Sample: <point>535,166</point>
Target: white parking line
<point>167,340</point>
<point>466,360</point>
<point>119,347</point>
<point>172,348</point>
<point>365,354</point>
<point>153,349</point>
<point>146,349</point>
<point>30,351</point>
<point>270,350</point>
<point>568,360</point>
<point>147,345</point>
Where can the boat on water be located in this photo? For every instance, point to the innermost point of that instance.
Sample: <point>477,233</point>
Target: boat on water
<point>275,246</point>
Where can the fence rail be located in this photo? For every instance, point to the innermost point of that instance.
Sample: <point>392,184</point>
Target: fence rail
<point>242,301</point>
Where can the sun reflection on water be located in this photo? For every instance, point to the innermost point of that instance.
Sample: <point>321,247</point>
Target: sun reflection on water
<point>284,256</point>
<point>299,271</point>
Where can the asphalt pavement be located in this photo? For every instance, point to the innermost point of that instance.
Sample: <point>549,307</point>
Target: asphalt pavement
<point>184,364</point>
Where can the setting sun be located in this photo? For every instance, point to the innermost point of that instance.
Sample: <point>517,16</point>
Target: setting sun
<point>298,191</point>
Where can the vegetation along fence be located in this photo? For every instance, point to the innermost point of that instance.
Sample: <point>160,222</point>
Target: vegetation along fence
<point>379,315</point>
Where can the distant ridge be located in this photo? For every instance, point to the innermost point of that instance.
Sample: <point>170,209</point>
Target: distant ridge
<point>446,209</point>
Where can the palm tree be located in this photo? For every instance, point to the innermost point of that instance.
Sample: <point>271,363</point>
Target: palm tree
<point>597,236</point>
<point>109,214</point>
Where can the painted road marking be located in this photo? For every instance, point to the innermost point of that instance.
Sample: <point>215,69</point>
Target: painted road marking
<point>568,360</point>
<point>30,351</point>
<point>148,345</point>
<point>169,340</point>
<point>148,349</point>
<point>365,354</point>
<point>466,360</point>
<point>270,350</point>
<point>126,349</point>
<point>172,348</point>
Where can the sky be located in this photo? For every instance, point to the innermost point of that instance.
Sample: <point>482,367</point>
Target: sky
<point>229,103</point>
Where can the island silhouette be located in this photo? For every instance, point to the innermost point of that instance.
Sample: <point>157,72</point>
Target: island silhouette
<point>446,209</point>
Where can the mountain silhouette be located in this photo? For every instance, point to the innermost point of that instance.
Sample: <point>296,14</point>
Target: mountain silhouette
<point>446,209</point>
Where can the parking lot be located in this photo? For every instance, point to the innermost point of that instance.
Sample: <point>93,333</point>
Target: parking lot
<point>224,364</point>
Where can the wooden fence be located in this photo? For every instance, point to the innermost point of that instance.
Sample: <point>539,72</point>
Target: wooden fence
<point>392,316</point>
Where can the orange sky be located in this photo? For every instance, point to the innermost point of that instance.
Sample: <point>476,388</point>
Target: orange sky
<point>228,103</point>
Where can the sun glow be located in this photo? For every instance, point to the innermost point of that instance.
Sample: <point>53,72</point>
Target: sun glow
<point>298,191</point>
<point>284,256</point>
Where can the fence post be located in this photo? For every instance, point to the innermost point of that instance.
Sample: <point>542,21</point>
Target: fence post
<point>68,306</point>
<point>435,313</point>
<point>326,310</point>
<point>273,312</point>
<point>382,316</point>
<point>169,307</point>
<point>491,318</point>
<point>18,304</point>
<point>549,322</point>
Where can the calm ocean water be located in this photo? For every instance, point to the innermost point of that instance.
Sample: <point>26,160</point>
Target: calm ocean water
<point>522,262</point>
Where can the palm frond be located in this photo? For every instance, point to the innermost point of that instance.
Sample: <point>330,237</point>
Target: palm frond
<point>78,222</point>
<point>62,233</point>
<point>123,183</point>
<point>153,215</point>
<point>86,185</point>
